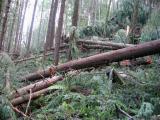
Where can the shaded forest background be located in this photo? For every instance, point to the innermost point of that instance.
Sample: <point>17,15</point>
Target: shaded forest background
<point>41,38</point>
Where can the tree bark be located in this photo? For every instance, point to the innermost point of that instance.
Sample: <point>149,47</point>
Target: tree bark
<point>36,86</point>
<point>35,57</point>
<point>4,25</point>
<point>19,36</point>
<point>108,10</point>
<point>74,23</point>
<point>112,44</point>
<point>99,47</point>
<point>25,98</point>
<point>31,28</point>
<point>134,21</point>
<point>51,25</point>
<point>40,24</point>
<point>59,32</point>
<point>1,10</point>
<point>136,51</point>
<point>75,13</point>
<point>12,27</point>
<point>19,26</point>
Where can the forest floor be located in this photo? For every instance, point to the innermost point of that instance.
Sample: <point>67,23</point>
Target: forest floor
<point>92,95</point>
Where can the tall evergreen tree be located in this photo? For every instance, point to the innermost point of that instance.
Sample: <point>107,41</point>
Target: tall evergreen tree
<point>59,32</point>
<point>31,28</point>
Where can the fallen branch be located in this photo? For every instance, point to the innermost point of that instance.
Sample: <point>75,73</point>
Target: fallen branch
<point>30,98</point>
<point>18,111</point>
<point>136,51</point>
<point>120,111</point>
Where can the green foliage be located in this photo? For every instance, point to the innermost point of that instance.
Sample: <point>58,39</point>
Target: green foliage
<point>6,111</point>
<point>73,43</point>
<point>146,110</point>
<point>122,16</point>
<point>120,36</point>
<point>65,103</point>
<point>151,31</point>
<point>5,64</point>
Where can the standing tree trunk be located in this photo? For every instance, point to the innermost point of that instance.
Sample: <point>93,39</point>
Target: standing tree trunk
<point>18,28</point>
<point>40,25</point>
<point>92,12</point>
<point>22,24</point>
<point>31,28</point>
<point>12,27</point>
<point>1,6</point>
<point>134,21</point>
<point>1,2</point>
<point>108,10</point>
<point>53,23</point>
<point>75,13</point>
<point>74,24</point>
<point>49,40</point>
<point>59,32</point>
<point>4,25</point>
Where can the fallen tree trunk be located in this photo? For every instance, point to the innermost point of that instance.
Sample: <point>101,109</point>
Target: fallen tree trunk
<point>25,98</point>
<point>36,86</point>
<point>35,57</point>
<point>99,47</point>
<point>116,45</point>
<point>136,51</point>
<point>62,47</point>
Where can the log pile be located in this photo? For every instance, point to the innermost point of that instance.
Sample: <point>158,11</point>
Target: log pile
<point>136,51</point>
<point>22,95</point>
<point>87,44</point>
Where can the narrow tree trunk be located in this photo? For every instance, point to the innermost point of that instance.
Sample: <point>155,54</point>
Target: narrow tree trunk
<point>41,19</point>
<point>1,6</point>
<point>136,51</point>
<point>12,27</point>
<point>75,13</point>
<point>51,25</point>
<point>108,10</point>
<point>74,23</point>
<point>4,25</point>
<point>7,81</point>
<point>31,28</point>
<point>59,32</point>
<point>18,31</point>
<point>134,21</point>
<point>22,23</point>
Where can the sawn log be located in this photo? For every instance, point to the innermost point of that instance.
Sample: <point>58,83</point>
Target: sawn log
<point>136,51</point>
<point>36,86</point>
<point>111,44</point>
